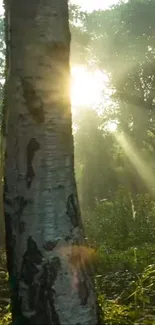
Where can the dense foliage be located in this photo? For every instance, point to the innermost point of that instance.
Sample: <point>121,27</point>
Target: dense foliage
<point>116,171</point>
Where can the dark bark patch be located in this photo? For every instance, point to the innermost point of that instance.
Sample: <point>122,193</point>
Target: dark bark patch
<point>31,259</point>
<point>32,147</point>
<point>50,245</point>
<point>17,204</point>
<point>32,296</point>
<point>33,252</point>
<point>16,208</point>
<point>17,316</point>
<point>8,201</point>
<point>33,102</point>
<point>68,238</point>
<point>8,230</point>
<point>72,210</point>
<point>9,243</point>
<point>29,270</point>
<point>45,293</point>
<point>5,185</point>
<point>15,301</point>
<point>60,187</point>
<point>20,204</point>
<point>83,292</point>
<point>55,267</point>
<point>41,293</point>
<point>58,50</point>
<point>21,227</point>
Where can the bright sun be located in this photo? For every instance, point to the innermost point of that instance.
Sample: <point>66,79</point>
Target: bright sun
<point>112,126</point>
<point>90,89</point>
<point>86,87</point>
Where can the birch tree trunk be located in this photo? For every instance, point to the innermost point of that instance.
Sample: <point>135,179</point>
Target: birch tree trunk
<point>49,280</point>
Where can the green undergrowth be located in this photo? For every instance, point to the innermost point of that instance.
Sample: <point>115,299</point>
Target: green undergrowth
<point>126,286</point>
<point>5,316</point>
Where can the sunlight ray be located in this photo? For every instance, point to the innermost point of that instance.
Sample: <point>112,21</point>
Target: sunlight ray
<point>137,161</point>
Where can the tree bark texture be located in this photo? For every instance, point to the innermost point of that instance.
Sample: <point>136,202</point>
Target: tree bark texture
<point>49,281</point>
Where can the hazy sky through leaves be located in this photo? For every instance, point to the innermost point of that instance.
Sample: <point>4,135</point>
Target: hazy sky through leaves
<point>91,5</point>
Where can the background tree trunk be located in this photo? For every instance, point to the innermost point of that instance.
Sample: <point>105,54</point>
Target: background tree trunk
<point>48,276</point>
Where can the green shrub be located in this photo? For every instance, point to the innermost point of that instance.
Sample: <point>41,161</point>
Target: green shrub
<point>120,225</point>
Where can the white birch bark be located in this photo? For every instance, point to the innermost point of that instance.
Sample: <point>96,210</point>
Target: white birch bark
<point>50,284</point>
